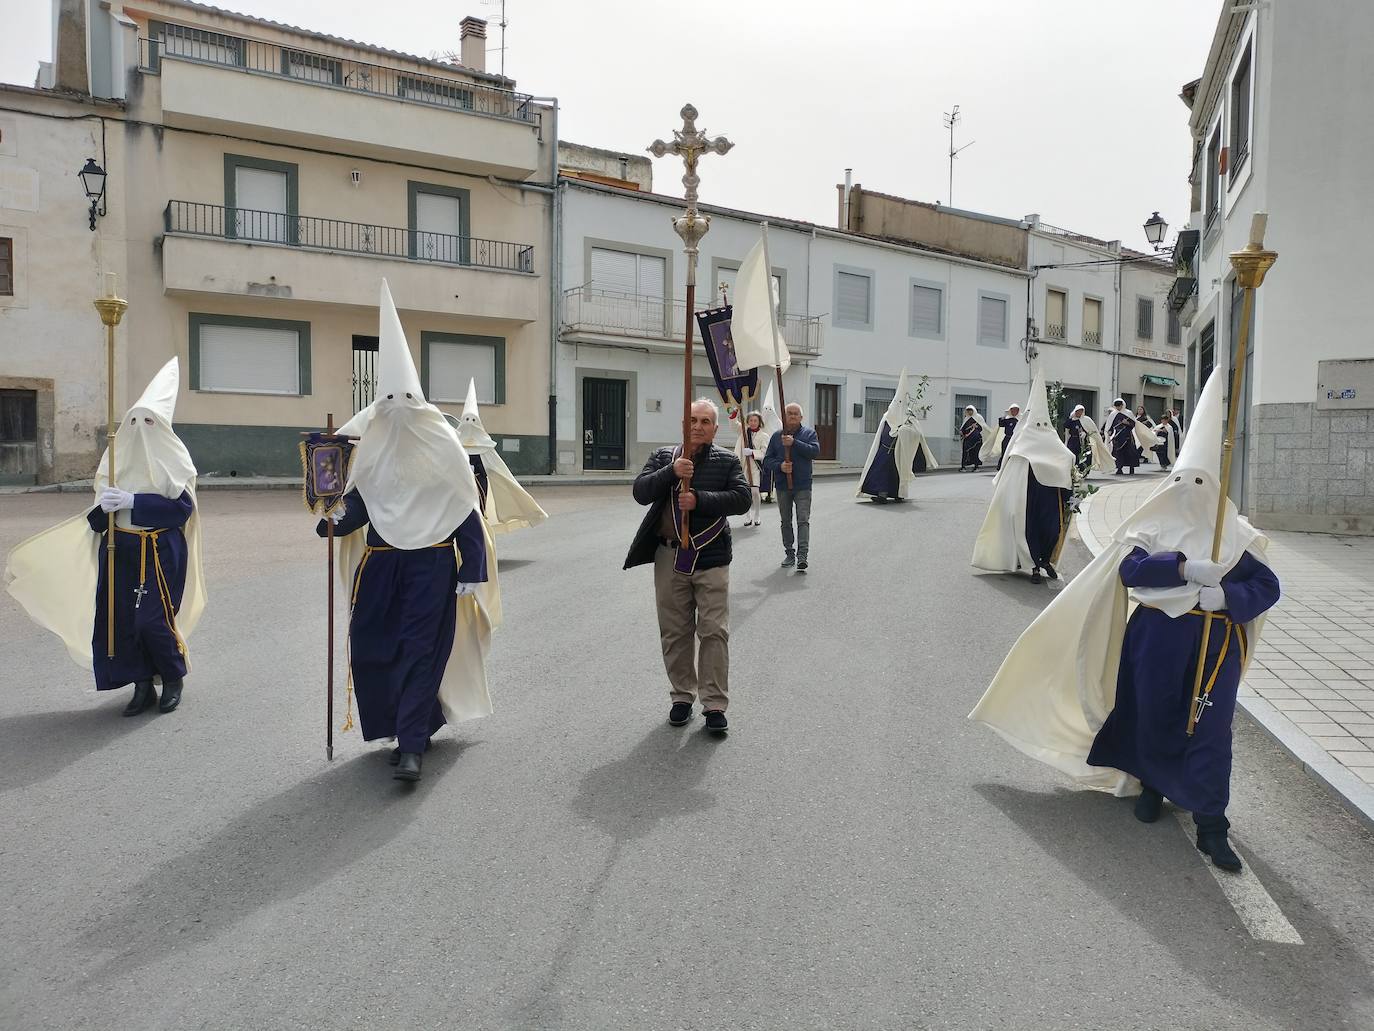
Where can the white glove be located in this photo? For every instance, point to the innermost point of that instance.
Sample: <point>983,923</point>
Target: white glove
<point>464,590</point>
<point>1200,571</point>
<point>337,515</point>
<point>112,499</point>
<point>1211,599</point>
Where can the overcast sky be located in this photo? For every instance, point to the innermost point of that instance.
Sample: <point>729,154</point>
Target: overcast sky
<point>1072,104</point>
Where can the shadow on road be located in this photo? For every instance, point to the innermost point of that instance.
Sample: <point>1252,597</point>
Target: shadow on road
<point>1018,587</point>
<point>1153,876</point>
<point>283,846</point>
<point>40,745</point>
<point>506,565</point>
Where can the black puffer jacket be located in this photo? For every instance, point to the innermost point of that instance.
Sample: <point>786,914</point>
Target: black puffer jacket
<point>721,490</point>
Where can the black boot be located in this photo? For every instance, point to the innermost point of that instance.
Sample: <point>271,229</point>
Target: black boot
<point>394,756</point>
<point>1051,572</point>
<point>1035,575</point>
<point>144,697</point>
<point>1148,804</point>
<point>408,768</point>
<point>1211,841</point>
<point>171,695</point>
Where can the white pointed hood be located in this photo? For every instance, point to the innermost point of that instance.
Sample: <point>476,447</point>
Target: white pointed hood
<point>1180,514</point>
<point>899,411</point>
<point>1038,442</point>
<point>150,459</point>
<point>772,421</point>
<point>470,429</point>
<point>409,466</point>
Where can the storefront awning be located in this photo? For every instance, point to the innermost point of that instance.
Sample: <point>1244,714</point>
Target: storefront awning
<point>1163,381</point>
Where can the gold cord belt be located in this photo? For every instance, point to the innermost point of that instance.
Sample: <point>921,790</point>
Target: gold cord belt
<point>163,591</point>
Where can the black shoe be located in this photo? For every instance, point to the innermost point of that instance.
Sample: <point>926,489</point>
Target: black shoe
<point>1214,844</point>
<point>801,565</point>
<point>1035,576</point>
<point>1148,804</point>
<point>1051,572</point>
<point>394,756</point>
<point>171,696</point>
<point>680,714</point>
<point>716,722</point>
<point>407,767</point>
<point>144,697</point>
<point>788,562</point>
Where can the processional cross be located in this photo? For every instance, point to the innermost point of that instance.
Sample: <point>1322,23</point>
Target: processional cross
<point>690,143</point>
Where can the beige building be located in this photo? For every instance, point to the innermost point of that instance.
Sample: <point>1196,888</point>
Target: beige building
<point>263,180</point>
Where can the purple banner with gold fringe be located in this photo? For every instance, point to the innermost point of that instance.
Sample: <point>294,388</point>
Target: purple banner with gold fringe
<point>735,387</point>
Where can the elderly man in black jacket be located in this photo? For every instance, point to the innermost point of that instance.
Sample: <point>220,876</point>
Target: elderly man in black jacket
<point>692,583</point>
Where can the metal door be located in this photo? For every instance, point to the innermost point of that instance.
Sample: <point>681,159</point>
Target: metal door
<point>603,423</point>
<point>827,419</point>
<point>18,437</point>
<point>364,371</point>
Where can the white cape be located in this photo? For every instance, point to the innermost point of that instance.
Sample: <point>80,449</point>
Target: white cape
<point>1102,455</point>
<point>509,506</point>
<point>910,439</point>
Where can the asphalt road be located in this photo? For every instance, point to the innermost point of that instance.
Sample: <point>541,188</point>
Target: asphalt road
<point>855,854</point>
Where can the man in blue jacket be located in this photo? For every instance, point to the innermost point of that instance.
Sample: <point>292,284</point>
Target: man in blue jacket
<point>789,457</point>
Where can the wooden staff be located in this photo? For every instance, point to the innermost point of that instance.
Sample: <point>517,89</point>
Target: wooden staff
<point>782,415</point>
<point>111,308</point>
<point>1250,265</point>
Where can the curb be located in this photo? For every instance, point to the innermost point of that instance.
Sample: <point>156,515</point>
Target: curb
<point>1355,796</point>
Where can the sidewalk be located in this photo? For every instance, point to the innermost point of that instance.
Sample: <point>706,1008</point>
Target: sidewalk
<point>1311,684</point>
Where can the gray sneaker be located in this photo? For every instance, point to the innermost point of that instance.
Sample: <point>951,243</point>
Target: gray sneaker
<point>788,562</point>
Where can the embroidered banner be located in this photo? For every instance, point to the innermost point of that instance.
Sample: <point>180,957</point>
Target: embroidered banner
<point>735,387</point>
<point>324,464</point>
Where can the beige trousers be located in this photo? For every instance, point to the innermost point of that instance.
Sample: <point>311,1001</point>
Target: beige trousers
<point>694,629</point>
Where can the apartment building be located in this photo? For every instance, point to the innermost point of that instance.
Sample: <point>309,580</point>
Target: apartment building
<point>1279,124</point>
<point>265,178</point>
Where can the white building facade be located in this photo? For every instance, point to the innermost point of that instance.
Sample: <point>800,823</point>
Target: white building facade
<point>1280,124</point>
<point>855,311</point>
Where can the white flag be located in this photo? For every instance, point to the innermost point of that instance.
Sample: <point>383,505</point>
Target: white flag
<point>754,321</point>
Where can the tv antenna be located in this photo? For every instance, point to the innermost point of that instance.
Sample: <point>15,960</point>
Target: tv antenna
<point>951,120</point>
<point>502,23</point>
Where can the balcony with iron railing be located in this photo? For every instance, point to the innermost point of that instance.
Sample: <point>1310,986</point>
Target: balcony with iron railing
<point>305,257</point>
<point>211,80</point>
<point>1092,338</point>
<point>606,316</point>
<point>1055,331</point>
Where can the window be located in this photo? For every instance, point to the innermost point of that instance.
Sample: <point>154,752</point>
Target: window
<point>927,310</point>
<point>449,360</point>
<point>263,199</point>
<point>433,91</point>
<point>853,299</point>
<point>198,44</point>
<point>962,401</point>
<point>629,289</point>
<point>1213,173</point>
<point>241,355</point>
<point>876,401</point>
<point>1240,115</point>
<point>992,319</point>
<point>18,416</point>
<point>1056,304</point>
<point>311,67</point>
<point>1130,402</point>
<point>1145,318</point>
<point>6,266</point>
<point>440,218</point>
<point>1206,354</point>
<point>1175,328</point>
<point>1092,322</point>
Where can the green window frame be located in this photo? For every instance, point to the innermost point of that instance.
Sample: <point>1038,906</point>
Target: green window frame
<point>196,320</point>
<point>413,191</point>
<point>497,344</point>
<point>233,162</point>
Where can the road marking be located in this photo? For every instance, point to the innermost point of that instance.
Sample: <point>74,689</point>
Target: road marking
<point>1256,908</point>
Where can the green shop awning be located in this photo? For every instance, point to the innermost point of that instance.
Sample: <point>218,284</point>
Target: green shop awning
<point>1163,381</point>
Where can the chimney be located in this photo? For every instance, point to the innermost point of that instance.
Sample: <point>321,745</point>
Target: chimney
<point>473,33</point>
<point>69,46</point>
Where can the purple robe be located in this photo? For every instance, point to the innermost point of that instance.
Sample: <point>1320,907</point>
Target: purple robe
<point>1045,515</point>
<point>402,625</point>
<point>150,577</point>
<point>1146,733</point>
<point>881,480</point>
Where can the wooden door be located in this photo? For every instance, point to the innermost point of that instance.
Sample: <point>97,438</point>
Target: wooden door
<point>828,419</point>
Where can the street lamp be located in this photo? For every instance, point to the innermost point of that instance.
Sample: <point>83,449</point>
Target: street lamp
<point>1155,230</point>
<point>93,182</point>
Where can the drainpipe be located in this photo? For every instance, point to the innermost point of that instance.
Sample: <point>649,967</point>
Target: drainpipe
<point>555,295</point>
<point>1116,351</point>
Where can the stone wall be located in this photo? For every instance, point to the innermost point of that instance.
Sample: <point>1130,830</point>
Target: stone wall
<point>1312,470</point>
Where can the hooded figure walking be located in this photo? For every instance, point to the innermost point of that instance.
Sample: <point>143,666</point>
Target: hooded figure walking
<point>972,432</point>
<point>59,575</point>
<point>506,505</point>
<point>1103,694</point>
<point>416,559</point>
<point>1028,516</point>
<point>899,450</point>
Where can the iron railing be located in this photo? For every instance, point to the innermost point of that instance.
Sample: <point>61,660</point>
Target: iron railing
<point>184,43</point>
<point>611,313</point>
<point>191,218</point>
<point>1054,331</point>
<point>1092,338</point>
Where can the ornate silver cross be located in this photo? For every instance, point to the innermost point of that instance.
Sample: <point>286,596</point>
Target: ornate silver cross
<point>140,591</point>
<point>690,143</point>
